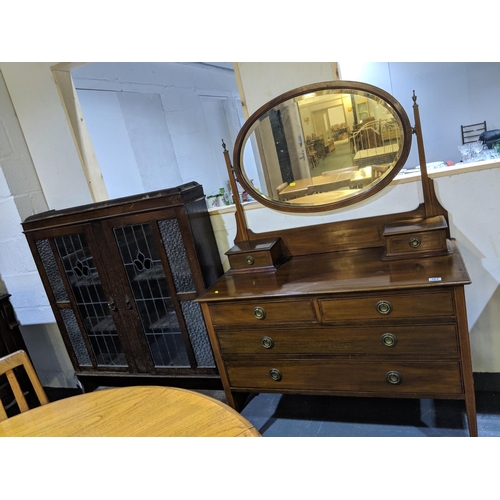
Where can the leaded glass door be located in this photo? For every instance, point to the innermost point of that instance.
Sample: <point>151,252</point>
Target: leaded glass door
<point>78,282</point>
<point>162,290</point>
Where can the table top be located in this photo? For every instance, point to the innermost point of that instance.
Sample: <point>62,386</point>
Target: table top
<point>322,198</point>
<point>301,185</point>
<point>147,411</point>
<point>318,180</point>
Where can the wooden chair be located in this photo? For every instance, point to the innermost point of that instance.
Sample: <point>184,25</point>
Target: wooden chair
<point>7,365</point>
<point>281,187</point>
<point>471,133</point>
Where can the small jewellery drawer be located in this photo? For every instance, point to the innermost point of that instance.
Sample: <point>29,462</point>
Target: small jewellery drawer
<point>417,242</point>
<point>316,375</point>
<point>414,340</point>
<point>414,305</point>
<point>407,240</point>
<point>262,312</point>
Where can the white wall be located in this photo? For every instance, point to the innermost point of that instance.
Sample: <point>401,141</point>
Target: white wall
<point>21,195</point>
<point>158,125</point>
<point>50,142</point>
<point>449,95</point>
<point>275,78</point>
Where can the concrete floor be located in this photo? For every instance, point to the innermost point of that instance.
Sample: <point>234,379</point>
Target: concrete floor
<point>323,416</point>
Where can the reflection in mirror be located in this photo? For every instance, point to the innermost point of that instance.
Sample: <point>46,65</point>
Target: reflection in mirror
<point>322,147</point>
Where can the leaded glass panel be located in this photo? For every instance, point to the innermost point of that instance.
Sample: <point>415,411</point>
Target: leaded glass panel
<point>154,304</point>
<point>88,293</point>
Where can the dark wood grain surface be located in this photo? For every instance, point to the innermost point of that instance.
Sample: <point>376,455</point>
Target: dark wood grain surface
<point>339,272</point>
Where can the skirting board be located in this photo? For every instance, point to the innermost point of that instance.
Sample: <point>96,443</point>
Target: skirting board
<point>487,382</point>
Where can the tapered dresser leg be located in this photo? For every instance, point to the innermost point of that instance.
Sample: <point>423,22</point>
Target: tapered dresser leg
<point>467,375</point>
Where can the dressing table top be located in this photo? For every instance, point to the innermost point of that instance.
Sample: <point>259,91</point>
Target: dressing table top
<point>340,272</point>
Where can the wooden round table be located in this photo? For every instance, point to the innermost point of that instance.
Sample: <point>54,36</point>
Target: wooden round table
<point>147,411</point>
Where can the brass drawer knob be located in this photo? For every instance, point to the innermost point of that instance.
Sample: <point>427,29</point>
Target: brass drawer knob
<point>384,307</point>
<point>389,339</point>
<point>414,242</point>
<point>259,312</point>
<point>394,377</point>
<point>267,342</point>
<point>275,374</point>
<point>250,260</point>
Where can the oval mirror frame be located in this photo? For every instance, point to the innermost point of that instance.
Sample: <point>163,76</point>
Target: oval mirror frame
<point>307,199</point>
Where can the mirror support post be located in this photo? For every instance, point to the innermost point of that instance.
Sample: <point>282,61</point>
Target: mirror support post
<point>429,199</point>
<point>241,225</point>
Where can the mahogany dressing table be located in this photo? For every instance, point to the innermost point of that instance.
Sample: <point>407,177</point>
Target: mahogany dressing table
<point>367,307</point>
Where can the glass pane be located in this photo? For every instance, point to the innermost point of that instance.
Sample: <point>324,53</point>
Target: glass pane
<point>76,337</point>
<point>92,305</point>
<point>320,146</point>
<point>53,274</point>
<point>176,253</point>
<point>151,294</point>
<point>198,333</point>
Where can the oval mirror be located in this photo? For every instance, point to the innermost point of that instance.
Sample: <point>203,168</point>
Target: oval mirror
<point>322,146</point>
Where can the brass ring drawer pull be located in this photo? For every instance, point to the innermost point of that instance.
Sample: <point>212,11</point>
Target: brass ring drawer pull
<point>259,312</point>
<point>275,374</point>
<point>250,260</point>
<point>267,342</point>
<point>384,307</point>
<point>389,339</point>
<point>414,242</point>
<point>394,377</point>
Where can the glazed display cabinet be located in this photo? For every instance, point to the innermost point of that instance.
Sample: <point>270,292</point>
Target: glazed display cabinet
<point>121,277</point>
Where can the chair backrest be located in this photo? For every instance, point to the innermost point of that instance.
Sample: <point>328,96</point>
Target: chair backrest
<point>471,133</point>
<point>281,187</point>
<point>7,365</point>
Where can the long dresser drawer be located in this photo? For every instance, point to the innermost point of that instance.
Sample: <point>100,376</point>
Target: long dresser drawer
<point>262,312</point>
<point>414,340</point>
<point>400,306</point>
<point>426,377</point>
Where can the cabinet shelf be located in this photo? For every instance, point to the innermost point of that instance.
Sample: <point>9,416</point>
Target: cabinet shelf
<point>102,324</point>
<point>91,280</point>
<point>155,273</point>
<point>166,322</point>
